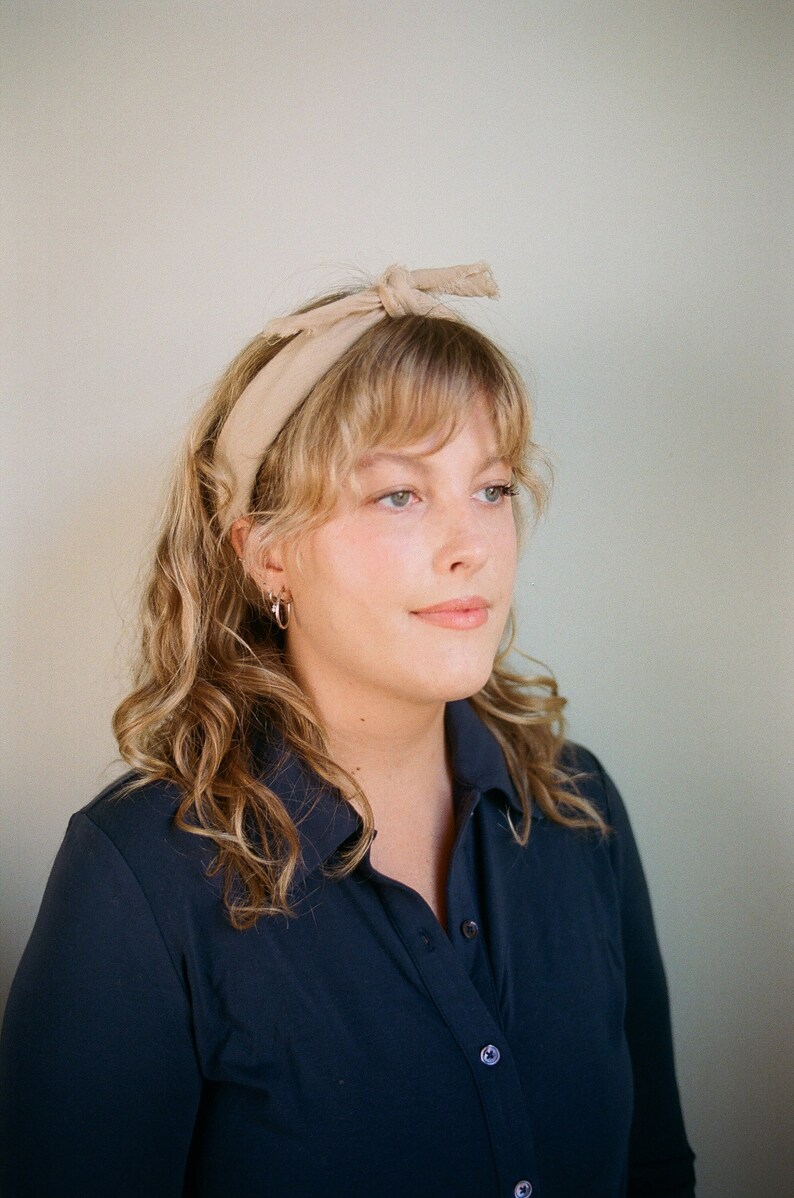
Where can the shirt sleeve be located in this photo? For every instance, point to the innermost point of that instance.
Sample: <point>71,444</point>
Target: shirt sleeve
<point>98,1071</point>
<point>660,1158</point>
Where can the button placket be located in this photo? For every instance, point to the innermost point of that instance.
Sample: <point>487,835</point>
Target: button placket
<point>446,974</point>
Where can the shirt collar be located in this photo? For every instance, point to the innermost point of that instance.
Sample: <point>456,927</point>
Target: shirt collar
<point>477,757</point>
<point>324,820</point>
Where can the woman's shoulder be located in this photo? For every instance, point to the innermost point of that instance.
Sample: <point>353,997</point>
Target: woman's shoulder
<point>131,804</point>
<point>592,781</point>
<point>136,817</point>
<point>577,758</point>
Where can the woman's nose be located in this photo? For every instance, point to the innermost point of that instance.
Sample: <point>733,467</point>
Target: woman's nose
<point>462,546</point>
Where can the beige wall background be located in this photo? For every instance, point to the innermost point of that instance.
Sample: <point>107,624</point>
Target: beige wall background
<point>177,172</point>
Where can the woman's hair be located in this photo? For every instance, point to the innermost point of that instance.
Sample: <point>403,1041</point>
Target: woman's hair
<point>212,666</point>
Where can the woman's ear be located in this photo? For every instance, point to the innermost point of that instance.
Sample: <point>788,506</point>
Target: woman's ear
<point>266,569</point>
<point>238,535</point>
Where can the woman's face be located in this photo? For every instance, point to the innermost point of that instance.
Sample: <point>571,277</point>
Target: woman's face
<point>431,527</point>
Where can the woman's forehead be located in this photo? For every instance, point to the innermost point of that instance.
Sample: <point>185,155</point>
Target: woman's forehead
<point>374,458</point>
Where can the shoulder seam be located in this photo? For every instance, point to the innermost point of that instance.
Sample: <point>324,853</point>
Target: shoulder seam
<point>85,815</point>
<point>602,776</point>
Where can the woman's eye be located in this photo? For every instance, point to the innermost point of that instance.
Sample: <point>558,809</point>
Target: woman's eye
<point>396,499</point>
<point>399,500</point>
<point>496,493</point>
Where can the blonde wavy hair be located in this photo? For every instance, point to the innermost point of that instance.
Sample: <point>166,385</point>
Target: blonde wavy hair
<point>212,666</point>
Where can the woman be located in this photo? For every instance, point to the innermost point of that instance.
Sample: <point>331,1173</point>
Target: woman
<point>360,921</point>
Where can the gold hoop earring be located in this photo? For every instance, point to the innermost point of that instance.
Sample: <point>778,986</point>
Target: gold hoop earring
<point>280,609</point>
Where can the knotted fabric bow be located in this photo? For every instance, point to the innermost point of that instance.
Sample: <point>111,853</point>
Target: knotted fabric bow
<point>319,338</point>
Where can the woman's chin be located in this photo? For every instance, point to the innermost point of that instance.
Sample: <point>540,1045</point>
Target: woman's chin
<point>454,683</point>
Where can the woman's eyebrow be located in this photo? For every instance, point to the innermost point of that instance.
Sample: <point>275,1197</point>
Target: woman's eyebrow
<point>369,460</point>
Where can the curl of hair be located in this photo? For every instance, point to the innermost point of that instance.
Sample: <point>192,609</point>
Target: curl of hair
<point>212,665</point>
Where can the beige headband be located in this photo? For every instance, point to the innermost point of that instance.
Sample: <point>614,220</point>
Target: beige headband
<point>324,334</point>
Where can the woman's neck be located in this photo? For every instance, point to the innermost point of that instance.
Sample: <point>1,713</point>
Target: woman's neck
<point>398,755</point>
<point>393,756</point>
<point>395,750</point>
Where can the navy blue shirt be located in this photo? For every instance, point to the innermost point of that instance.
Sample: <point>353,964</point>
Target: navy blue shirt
<point>359,1049</point>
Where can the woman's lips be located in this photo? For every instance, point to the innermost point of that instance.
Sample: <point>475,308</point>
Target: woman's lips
<point>456,613</point>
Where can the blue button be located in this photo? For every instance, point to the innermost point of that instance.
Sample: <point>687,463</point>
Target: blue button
<point>490,1054</point>
<point>523,1189</point>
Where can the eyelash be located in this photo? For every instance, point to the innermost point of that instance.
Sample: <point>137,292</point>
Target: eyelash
<point>508,490</point>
